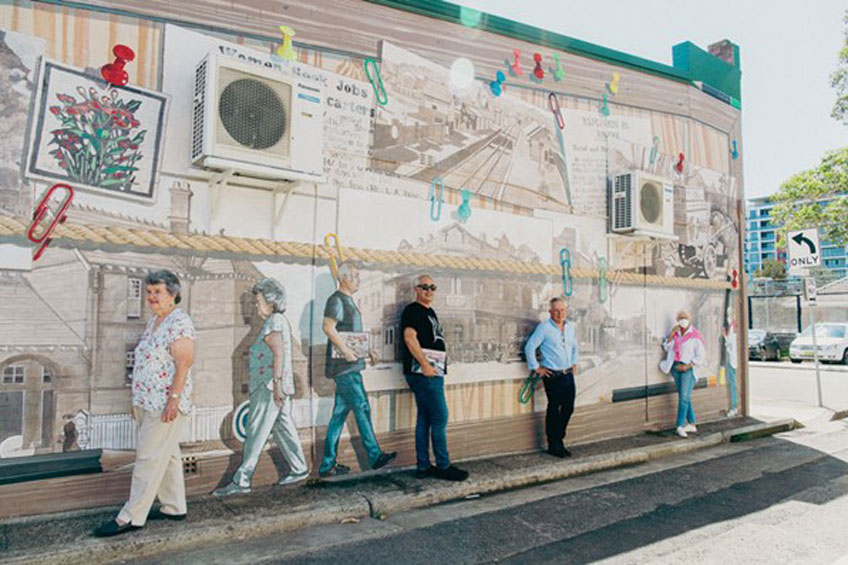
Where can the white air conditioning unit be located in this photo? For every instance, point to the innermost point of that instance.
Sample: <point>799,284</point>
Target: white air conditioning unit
<point>256,121</point>
<point>642,204</point>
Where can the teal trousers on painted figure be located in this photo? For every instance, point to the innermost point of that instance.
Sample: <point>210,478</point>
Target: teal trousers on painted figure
<point>350,395</point>
<point>265,419</point>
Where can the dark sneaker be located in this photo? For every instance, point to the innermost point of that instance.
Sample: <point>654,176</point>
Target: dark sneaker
<point>451,474</point>
<point>425,473</point>
<point>159,515</point>
<point>384,459</point>
<point>557,452</point>
<point>335,471</point>
<point>113,528</point>
<point>566,452</point>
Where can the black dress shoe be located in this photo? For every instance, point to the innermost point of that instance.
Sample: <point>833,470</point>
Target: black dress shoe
<point>451,474</point>
<point>384,459</point>
<point>159,515</point>
<point>113,528</point>
<point>425,473</point>
<point>562,453</point>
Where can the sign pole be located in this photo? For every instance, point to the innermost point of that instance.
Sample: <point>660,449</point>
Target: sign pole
<point>810,292</point>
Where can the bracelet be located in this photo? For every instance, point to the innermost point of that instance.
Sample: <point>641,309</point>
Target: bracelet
<point>176,395</point>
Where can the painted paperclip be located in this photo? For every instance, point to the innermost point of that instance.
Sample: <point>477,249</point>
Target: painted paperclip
<point>565,263</point>
<point>528,388</point>
<point>436,198</point>
<point>603,283</point>
<point>59,217</point>
<point>334,266</point>
<point>654,149</point>
<point>553,104</point>
<point>379,92</point>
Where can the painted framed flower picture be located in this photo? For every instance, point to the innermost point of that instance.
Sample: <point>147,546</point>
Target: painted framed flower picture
<point>96,136</point>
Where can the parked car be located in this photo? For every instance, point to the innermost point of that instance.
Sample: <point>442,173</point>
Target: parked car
<point>763,345</point>
<point>832,341</point>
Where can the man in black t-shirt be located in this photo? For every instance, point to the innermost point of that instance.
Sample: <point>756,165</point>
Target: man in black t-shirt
<point>425,367</point>
<point>343,326</point>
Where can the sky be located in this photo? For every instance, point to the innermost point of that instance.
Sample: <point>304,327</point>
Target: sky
<point>787,49</point>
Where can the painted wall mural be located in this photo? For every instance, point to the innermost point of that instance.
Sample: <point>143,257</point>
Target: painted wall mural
<point>74,317</point>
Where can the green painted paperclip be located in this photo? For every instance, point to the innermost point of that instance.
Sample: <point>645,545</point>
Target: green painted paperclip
<point>565,263</point>
<point>602,280</point>
<point>385,97</point>
<point>528,388</point>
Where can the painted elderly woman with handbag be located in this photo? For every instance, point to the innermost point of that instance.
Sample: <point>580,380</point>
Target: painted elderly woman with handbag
<point>271,393</point>
<point>161,396</point>
<point>686,350</point>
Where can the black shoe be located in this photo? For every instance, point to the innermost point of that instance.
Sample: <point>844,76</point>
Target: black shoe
<point>566,452</point>
<point>113,528</point>
<point>159,515</point>
<point>384,459</point>
<point>335,471</point>
<point>425,473</point>
<point>560,452</point>
<point>451,474</point>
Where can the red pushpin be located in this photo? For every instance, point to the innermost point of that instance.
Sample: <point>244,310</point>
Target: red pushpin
<point>114,73</point>
<point>538,71</point>
<point>734,279</point>
<point>679,165</point>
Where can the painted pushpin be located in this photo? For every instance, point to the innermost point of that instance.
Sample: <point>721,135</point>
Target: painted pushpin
<point>286,50</point>
<point>679,166</point>
<point>603,108</point>
<point>538,72</point>
<point>496,85</point>
<point>735,152</point>
<point>613,86</point>
<point>654,149</point>
<point>464,210</point>
<point>114,72</point>
<point>559,74</point>
<point>516,66</point>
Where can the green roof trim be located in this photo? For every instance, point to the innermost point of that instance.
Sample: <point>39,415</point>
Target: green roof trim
<point>454,13</point>
<point>709,69</point>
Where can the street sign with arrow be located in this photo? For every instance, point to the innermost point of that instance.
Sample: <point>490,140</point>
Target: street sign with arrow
<point>804,250</point>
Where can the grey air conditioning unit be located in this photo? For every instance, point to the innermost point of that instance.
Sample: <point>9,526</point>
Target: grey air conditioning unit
<point>259,122</point>
<point>642,204</point>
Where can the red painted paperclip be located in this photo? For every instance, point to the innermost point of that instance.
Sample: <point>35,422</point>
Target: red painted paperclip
<point>58,217</point>
<point>553,104</point>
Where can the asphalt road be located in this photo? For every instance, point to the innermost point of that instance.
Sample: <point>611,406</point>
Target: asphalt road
<point>774,500</point>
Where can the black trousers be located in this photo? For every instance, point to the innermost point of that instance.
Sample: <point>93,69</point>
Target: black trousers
<point>561,392</point>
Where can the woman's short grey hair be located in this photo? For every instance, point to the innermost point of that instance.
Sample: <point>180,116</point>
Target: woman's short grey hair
<point>274,293</point>
<point>169,279</point>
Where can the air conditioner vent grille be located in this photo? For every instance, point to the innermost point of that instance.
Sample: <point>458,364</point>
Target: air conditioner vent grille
<point>651,202</point>
<point>199,110</point>
<point>622,195</point>
<point>252,113</point>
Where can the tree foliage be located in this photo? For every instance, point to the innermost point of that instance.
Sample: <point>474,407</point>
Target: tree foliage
<point>815,198</point>
<point>839,80</point>
<point>772,269</point>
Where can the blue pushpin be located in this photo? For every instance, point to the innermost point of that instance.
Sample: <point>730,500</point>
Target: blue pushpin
<point>735,152</point>
<point>495,85</point>
<point>464,210</point>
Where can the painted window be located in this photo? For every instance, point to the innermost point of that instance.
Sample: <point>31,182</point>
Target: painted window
<point>13,375</point>
<point>130,363</point>
<point>133,298</point>
<point>46,377</point>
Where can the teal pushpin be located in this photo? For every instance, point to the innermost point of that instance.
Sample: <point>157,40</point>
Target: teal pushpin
<point>464,210</point>
<point>604,109</point>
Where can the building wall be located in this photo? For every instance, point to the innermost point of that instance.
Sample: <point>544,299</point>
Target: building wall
<point>535,190</point>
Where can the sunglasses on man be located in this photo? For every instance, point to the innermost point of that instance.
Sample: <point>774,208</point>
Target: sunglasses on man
<point>426,287</point>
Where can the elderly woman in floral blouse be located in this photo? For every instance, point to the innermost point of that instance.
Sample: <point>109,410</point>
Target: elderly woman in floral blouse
<point>161,395</point>
<point>271,393</point>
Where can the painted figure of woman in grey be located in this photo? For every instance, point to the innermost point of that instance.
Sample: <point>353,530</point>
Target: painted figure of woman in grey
<point>271,393</point>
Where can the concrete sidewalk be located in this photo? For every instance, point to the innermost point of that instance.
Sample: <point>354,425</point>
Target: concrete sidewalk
<point>67,537</point>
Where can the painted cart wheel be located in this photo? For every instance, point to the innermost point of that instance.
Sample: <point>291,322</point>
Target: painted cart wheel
<point>240,415</point>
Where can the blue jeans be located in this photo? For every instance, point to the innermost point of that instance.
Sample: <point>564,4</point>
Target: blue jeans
<point>685,382</point>
<point>350,395</point>
<point>731,382</point>
<point>432,420</point>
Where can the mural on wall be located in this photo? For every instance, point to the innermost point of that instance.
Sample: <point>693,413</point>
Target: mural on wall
<point>497,147</point>
<point>96,136</point>
<point>19,56</point>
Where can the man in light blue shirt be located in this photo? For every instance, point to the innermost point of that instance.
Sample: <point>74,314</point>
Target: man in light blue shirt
<point>556,339</point>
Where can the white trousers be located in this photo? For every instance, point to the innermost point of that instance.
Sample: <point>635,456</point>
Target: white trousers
<point>264,419</point>
<point>158,469</point>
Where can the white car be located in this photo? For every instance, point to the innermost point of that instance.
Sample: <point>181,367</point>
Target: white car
<point>832,341</point>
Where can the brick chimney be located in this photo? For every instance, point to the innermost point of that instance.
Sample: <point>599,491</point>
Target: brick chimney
<point>725,50</point>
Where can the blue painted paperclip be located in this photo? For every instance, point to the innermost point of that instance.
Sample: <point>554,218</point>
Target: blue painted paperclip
<point>436,213</point>
<point>603,283</point>
<point>654,149</point>
<point>382,89</point>
<point>565,263</point>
